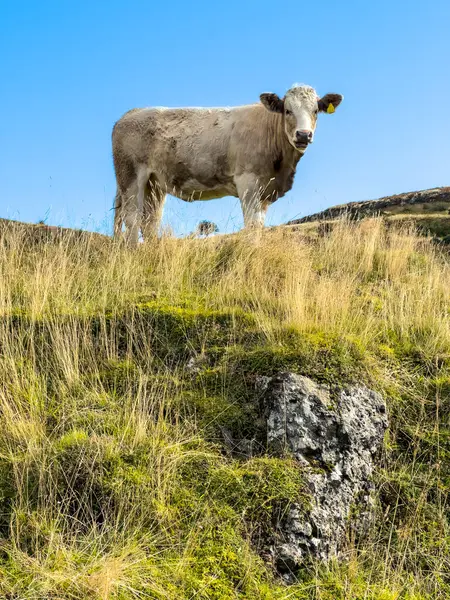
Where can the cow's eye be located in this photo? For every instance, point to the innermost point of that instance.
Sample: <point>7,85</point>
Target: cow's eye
<point>288,112</point>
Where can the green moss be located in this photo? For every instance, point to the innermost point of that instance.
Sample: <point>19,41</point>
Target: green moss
<point>223,568</point>
<point>261,489</point>
<point>256,493</point>
<point>213,412</point>
<point>73,439</point>
<point>325,358</point>
<point>183,330</point>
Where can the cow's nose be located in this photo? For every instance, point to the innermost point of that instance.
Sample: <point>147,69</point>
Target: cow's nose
<point>303,136</point>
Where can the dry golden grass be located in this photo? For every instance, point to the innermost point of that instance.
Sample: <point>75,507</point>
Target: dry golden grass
<point>93,493</point>
<point>361,279</point>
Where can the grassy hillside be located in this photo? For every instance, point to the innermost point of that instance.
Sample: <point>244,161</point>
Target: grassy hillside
<point>119,371</point>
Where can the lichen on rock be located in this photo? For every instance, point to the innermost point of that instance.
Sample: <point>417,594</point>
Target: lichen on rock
<point>337,440</point>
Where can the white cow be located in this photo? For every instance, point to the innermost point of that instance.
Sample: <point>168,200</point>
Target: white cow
<point>247,151</point>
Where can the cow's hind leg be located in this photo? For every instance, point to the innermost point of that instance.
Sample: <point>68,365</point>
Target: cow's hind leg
<point>251,195</point>
<point>154,199</point>
<point>133,205</point>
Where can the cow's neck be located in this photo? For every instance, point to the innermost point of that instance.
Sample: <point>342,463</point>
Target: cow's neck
<point>291,155</point>
<point>286,157</point>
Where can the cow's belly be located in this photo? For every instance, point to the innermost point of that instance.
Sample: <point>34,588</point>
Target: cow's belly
<point>195,190</point>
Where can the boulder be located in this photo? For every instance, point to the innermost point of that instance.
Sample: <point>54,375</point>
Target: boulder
<point>336,438</point>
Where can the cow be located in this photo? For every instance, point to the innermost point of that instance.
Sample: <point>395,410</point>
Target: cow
<point>250,152</point>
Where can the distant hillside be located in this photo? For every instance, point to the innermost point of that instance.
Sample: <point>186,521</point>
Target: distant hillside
<point>429,209</point>
<point>40,231</point>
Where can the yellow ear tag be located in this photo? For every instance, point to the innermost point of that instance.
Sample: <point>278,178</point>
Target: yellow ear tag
<point>330,109</point>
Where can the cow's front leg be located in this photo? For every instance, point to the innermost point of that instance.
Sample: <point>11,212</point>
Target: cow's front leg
<point>252,196</point>
<point>131,218</point>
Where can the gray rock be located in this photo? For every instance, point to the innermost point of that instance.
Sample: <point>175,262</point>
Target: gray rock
<point>336,441</point>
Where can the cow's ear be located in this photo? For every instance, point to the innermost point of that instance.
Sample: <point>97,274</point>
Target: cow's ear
<point>330,102</point>
<point>272,102</point>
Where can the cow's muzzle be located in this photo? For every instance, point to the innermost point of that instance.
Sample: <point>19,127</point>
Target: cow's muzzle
<point>303,138</point>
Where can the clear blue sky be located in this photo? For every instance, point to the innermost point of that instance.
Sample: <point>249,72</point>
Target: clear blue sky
<point>70,69</point>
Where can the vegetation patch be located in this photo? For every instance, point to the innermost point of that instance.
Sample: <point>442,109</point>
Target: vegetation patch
<point>124,373</point>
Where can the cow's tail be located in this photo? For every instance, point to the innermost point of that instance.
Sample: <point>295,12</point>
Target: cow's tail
<point>118,216</point>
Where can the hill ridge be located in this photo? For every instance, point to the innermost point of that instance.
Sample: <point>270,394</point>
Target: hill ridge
<point>372,207</point>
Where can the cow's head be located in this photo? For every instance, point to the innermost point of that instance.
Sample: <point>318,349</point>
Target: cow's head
<point>300,107</point>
